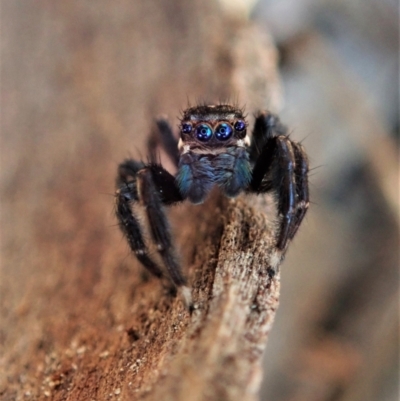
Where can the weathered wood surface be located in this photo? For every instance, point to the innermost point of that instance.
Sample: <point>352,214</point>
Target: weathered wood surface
<point>81,82</point>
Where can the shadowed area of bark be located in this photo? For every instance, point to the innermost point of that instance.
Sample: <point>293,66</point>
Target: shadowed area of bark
<point>80,317</point>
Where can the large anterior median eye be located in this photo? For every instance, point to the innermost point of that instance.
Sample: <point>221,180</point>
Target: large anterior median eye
<point>203,132</point>
<point>223,131</point>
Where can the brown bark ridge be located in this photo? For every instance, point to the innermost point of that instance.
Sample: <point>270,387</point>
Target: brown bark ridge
<point>81,320</point>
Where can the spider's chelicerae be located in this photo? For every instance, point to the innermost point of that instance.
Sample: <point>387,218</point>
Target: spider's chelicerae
<point>214,148</point>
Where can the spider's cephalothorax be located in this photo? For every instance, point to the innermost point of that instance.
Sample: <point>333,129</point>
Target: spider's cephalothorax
<point>214,149</point>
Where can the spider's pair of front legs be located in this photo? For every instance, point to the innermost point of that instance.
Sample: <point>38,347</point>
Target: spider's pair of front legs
<point>278,164</point>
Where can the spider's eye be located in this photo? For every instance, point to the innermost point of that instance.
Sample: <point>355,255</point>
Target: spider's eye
<point>203,132</point>
<point>186,128</point>
<point>223,131</point>
<point>240,125</point>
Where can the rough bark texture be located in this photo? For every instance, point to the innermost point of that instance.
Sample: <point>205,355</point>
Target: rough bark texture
<point>80,318</point>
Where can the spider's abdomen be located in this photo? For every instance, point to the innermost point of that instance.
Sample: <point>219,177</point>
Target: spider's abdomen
<point>198,173</point>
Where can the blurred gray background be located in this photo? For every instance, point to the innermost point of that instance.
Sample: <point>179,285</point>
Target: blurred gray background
<point>336,333</point>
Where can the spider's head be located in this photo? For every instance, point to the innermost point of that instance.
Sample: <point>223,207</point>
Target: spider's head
<point>212,128</point>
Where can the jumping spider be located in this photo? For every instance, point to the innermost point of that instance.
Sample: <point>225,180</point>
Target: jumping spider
<point>214,149</point>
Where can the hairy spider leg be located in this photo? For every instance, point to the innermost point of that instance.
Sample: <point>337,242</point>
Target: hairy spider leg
<point>266,126</point>
<point>128,222</point>
<point>302,193</point>
<point>162,135</point>
<point>159,227</point>
<point>286,187</point>
<point>130,226</point>
<point>153,186</point>
<point>278,175</point>
<point>127,171</point>
<point>280,165</point>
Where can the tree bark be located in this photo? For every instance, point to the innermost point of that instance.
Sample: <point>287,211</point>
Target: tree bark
<point>81,319</point>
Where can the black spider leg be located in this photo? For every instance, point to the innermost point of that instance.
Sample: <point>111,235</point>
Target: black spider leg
<point>127,171</point>
<point>153,186</point>
<point>266,126</point>
<point>278,162</point>
<point>159,227</point>
<point>302,192</point>
<point>128,222</point>
<point>162,135</point>
<point>286,182</point>
<point>130,226</point>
